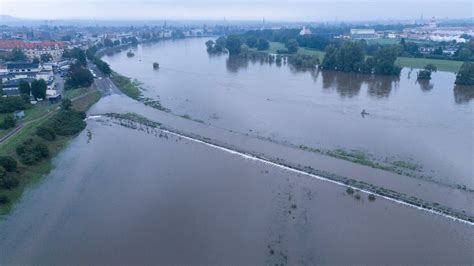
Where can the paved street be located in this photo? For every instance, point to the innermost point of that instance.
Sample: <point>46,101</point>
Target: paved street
<point>103,82</point>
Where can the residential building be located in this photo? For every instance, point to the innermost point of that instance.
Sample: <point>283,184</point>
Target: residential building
<point>363,34</point>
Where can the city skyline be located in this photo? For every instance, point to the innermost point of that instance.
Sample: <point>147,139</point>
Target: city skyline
<point>299,10</point>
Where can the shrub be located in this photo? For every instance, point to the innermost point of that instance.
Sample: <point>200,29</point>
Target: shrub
<point>424,75</point>
<point>8,163</point>
<point>357,197</point>
<point>303,60</point>
<point>31,151</point>
<point>4,199</point>
<point>8,122</point>
<point>282,51</point>
<point>8,182</point>
<point>371,197</point>
<point>465,75</point>
<point>350,191</point>
<point>46,133</point>
<point>67,122</point>
<point>11,104</point>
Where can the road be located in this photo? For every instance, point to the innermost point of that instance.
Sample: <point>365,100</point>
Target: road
<point>103,82</point>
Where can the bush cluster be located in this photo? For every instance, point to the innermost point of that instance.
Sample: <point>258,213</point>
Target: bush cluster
<point>32,151</point>
<point>7,181</point>
<point>8,163</point>
<point>64,123</point>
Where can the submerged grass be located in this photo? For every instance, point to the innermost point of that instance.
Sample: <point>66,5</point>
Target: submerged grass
<point>132,89</point>
<point>134,118</point>
<point>402,167</point>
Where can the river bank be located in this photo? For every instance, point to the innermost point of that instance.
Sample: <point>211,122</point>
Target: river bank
<point>28,175</point>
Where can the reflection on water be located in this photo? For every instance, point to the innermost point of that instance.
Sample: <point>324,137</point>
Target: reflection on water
<point>463,94</point>
<point>349,85</point>
<point>314,108</point>
<point>425,85</point>
<point>235,63</point>
<point>382,86</point>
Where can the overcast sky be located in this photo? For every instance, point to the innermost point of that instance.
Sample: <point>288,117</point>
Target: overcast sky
<point>290,10</point>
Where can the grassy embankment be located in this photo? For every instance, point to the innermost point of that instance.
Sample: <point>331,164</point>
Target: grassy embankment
<point>29,174</point>
<point>442,65</point>
<point>131,88</point>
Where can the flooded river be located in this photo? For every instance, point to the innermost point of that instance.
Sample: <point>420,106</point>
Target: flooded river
<point>122,194</point>
<point>130,196</point>
<point>430,126</point>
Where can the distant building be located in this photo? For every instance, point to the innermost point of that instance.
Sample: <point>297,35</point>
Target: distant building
<point>23,68</point>
<point>432,23</point>
<point>10,87</point>
<point>35,49</point>
<point>391,35</point>
<point>19,114</point>
<point>363,34</point>
<point>305,31</point>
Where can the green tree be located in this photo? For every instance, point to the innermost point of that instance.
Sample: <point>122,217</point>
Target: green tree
<point>349,57</point>
<point>17,55</point>
<point>423,75</point>
<point>11,104</point>
<point>31,151</point>
<point>8,122</point>
<point>385,61</point>
<point>102,66</point>
<point>66,104</point>
<point>464,54</point>
<point>7,181</point>
<point>108,43</point>
<point>79,77</point>
<point>263,44</point>
<point>133,40</point>
<point>46,57</point>
<point>465,75</point>
<point>38,88</point>
<point>233,44</point>
<point>24,87</point>
<point>330,60</point>
<point>251,41</point>
<point>8,163</point>
<point>210,45</point>
<point>77,54</point>
<point>221,41</point>
<point>46,133</point>
<point>431,67</point>
<point>292,46</point>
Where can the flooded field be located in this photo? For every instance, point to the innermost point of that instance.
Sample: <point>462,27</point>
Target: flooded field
<point>125,193</point>
<point>425,129</point>
<point>125,196</point>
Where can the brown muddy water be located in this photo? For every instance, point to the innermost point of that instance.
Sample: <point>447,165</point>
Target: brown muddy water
<point>136,196</point>
<point>429,126</point>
